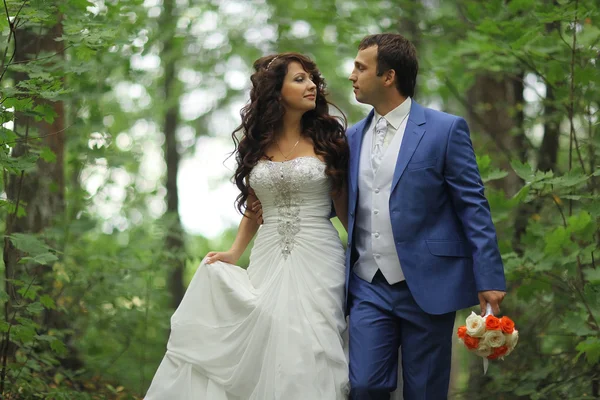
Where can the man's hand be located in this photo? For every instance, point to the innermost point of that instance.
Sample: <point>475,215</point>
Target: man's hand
<point>258,212</point>
<point>494,298</point>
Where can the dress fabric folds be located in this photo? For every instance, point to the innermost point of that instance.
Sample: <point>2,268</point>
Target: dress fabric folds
<point>272,331</point>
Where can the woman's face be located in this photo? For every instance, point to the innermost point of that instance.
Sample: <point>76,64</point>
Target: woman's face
<point>298,93</point>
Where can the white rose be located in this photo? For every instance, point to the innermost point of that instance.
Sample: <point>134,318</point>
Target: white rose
<point>493,338</point>
<point>512,340</point>
<point>475,325</point>
<point>483,350</point>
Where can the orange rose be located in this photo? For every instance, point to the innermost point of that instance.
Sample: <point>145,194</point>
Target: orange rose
<point>470,342</point>
<point>498,352</point>
<point>492,323</point>
<point>462,332</point>
<point>507,325</point>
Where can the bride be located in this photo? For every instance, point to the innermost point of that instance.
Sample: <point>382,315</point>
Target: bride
<point>273,331</point>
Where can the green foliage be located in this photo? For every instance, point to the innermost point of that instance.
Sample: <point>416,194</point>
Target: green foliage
<point>100,270</point>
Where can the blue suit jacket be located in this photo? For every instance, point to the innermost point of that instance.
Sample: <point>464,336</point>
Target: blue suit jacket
<point>443,230</point>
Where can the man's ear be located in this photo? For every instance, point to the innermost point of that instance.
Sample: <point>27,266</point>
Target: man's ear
<point>390,77</point>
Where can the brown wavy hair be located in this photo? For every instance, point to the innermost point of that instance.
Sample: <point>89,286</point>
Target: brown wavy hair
<point>263,115</point>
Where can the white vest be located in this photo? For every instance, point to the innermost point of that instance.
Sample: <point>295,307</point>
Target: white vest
<point>373,230</point>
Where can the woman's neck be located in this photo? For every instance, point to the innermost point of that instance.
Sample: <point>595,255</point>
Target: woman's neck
<point>291,128</point>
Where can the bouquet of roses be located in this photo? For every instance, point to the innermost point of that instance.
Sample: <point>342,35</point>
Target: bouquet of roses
<point>489,337</point>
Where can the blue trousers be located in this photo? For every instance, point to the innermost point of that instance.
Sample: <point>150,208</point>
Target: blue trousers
<point>383,318</point>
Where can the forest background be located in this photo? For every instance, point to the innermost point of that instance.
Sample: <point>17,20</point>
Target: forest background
<point>115,124</point>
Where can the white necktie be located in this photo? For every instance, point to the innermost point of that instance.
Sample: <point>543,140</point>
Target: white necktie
<point>380,132</point>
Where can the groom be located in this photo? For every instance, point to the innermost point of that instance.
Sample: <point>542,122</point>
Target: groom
<point>421,242</point>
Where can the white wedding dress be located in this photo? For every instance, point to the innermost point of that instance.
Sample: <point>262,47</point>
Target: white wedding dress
<point>273,331</point>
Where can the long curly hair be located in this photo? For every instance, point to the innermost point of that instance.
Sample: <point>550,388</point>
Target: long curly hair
<point>263,115</point>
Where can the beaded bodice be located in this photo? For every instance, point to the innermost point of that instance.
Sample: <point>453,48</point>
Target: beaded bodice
<point>293,194</point>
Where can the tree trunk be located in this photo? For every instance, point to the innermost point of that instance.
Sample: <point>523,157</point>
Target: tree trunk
<point>40,192</point>
<point>496,104</point>
<point>547,155</point>
<point>174,241</point>
<point>548,152</point>
<point>408,26</point>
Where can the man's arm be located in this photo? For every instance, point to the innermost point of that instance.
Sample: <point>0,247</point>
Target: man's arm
<point>467,194</point>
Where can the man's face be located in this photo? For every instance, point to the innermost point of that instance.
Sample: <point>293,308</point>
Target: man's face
<point>366,83</point>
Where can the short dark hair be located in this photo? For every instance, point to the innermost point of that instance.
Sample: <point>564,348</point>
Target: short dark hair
<point>395,52</point>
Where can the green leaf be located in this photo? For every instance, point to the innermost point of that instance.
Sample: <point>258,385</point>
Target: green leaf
<point>10,207</point>
<point>29,291</point>
<point>14,165</point>
<point>525,39</point>
<point>516,6</point>
<point>556,241</point>
<point>58,347</point>
<point>545,265</point>
<point>7,135</point>
<point>532,289</point>
<point>35,308</point>
<point>494,175</point>
<point>591,348</point>
<point>84,53</point>
<point>29,244</point>
<point>575,322</point>
<point>44,112</point>
<point>483,162</point>
<point>27,322</point>
<point>41,259</point>
<point>592,275</point>
<point>523,170</point>
<point>81,4</point>
<point>580,222</point>
<point>574,197</point>
<point>526,388</point>
<point>490,27</point>
<point>22,105</point>
<point>521,195</point>
<point>47,155</point>
<point>48,302</point>
<point>567,180</point>
<point>22,334</point>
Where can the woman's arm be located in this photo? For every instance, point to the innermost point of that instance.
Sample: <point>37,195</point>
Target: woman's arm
<point>246,231</point>
<point>340,203</point>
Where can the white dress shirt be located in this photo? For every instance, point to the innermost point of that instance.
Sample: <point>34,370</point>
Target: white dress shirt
<point>396,120</point>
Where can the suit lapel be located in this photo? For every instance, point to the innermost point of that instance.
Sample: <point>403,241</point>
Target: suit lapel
<point>415,129</point>
<point>355,144</point>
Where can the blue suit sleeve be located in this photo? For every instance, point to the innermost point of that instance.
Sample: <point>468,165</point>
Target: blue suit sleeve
<point>467,193</point>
